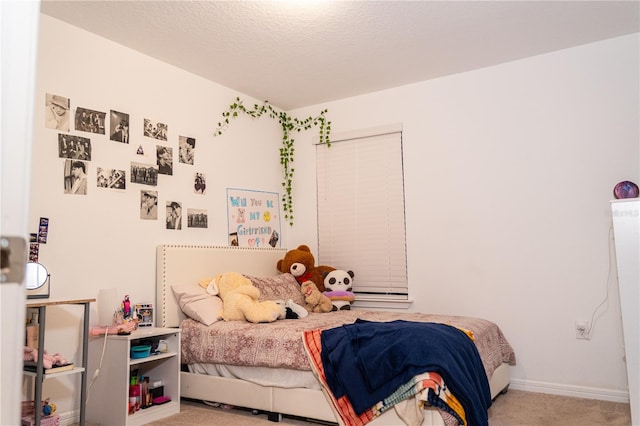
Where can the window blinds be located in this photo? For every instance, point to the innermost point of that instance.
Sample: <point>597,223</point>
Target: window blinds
<point>361,221</point>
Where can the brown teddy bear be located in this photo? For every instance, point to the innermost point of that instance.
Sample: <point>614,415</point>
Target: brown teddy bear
<point>314,299</point>
<point>300,263</point>
<point>240,300</point>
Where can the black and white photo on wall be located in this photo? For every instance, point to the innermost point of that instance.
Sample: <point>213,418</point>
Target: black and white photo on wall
<point>146,174</point>
<point>56,115</point>
<point>200,183</point>
<point>155,130</point>
<point>35,240</point>
<point>75,177</point>
<point>149,205</point>
<point>119,122</point>
<point>111,178</point>
<point>174,215</point>
<point>88,120</point>
<point>164,159</point>
<point>197,218</point>
<point>74,147</point>
<point>187,149</point>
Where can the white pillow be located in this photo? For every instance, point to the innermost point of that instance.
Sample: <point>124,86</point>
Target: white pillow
<point>196,303</point>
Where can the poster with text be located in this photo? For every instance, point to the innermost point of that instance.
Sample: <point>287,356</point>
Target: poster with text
<point>253,218</point>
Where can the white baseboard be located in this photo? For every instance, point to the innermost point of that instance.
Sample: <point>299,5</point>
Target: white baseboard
<point>612,395</point>
<point>69,418</point>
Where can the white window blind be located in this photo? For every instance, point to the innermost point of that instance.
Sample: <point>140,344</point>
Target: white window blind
<point>361,221</point>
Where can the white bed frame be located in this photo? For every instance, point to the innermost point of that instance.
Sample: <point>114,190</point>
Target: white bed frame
<point>184,264</point>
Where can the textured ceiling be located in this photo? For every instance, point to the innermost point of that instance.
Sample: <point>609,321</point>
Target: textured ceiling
<point>303,53</point>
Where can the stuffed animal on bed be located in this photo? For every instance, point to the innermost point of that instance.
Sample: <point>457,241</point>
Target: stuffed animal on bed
<point>240,300</point>
<point>300,263</point>
<point>338,285</point>
<point>314,299</point>
<point>209,284</point>
<point>292,309</point>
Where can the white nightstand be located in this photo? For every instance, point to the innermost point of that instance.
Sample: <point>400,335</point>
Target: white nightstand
<point>108,398</point>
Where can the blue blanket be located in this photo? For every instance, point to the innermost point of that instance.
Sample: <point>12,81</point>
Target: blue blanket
<point>367,361</point>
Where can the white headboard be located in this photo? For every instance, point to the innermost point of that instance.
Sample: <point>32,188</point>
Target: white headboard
<point>185,264</point>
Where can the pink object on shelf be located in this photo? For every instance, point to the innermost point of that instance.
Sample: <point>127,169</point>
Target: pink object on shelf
<point>53,420</point>
<point>126,327</point>
<point>161,400</point>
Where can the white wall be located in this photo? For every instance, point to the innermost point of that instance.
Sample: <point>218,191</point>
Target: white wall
<point>98,241</point>
<point>509,171</point>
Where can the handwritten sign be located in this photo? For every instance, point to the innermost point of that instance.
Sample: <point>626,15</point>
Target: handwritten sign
<point>253,218</point>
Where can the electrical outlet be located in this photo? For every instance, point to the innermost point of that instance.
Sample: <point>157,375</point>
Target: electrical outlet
<point>583,330</point>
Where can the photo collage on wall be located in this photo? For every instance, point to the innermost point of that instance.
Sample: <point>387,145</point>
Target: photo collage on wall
<point>77,154</point>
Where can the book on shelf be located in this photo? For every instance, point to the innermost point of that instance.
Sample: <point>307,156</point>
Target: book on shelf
<point>33,367</point>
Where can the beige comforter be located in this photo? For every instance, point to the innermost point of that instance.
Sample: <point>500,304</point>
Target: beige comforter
<point>279,344</point>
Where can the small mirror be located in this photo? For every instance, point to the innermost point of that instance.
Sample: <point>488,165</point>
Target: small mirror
<point>36,281</point>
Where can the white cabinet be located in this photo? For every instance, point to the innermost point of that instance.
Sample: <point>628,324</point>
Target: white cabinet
<point>626,231</point>
<point>108,397</point>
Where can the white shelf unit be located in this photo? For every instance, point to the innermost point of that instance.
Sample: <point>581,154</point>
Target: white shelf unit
<point>626,232</point>
<point>74,370</point>
<point>108,397</point>
<point>39,375</point>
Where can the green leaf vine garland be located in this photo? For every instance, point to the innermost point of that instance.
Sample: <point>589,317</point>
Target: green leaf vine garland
<point>289,125</point>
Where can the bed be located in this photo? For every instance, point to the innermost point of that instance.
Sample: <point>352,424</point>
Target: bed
<point>287,383</point>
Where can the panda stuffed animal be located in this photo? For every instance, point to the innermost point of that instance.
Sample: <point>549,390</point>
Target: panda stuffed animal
<point>338,285</point>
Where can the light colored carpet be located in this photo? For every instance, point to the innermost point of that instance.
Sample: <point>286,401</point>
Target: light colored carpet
<point>515,408</point>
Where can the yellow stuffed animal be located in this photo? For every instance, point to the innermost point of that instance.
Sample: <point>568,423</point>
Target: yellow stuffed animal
<point>209,284</point>
<point>240,300</point>
<point>314,299</point>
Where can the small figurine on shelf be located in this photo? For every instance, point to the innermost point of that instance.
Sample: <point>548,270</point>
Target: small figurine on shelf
<point>126,307</point>
<point>48,408</point>
<point>124,319</point>
<point>144,312</point>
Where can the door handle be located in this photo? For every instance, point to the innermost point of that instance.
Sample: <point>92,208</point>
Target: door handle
<point>13,259</point>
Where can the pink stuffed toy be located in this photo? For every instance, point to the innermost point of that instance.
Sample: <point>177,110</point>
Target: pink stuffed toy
<point>48,361</point>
